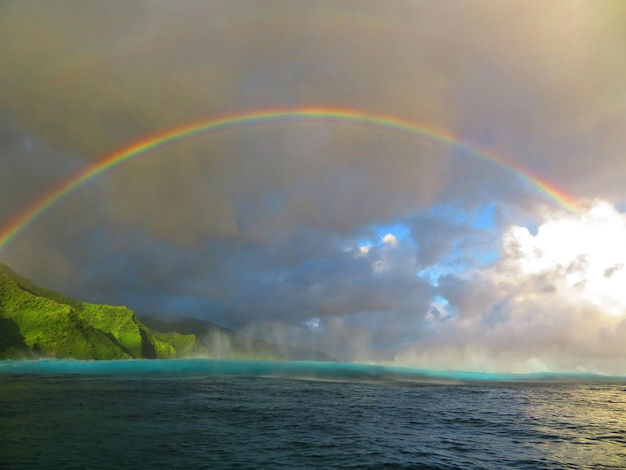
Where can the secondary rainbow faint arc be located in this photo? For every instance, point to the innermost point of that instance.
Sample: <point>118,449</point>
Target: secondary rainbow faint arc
<point>246,119</point>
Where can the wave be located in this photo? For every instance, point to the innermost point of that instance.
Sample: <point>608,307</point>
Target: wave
<point>304,370</point>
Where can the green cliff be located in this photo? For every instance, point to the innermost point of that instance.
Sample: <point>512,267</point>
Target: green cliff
<point>37,322</point>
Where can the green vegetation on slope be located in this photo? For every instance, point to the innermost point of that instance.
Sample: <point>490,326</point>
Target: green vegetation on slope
<point>28,285</point>
<point>42,327</point>
<point>37,322</point>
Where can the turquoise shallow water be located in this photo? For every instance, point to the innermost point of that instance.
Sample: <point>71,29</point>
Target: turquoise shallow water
<point>228,414</point>
<point>335,371</point>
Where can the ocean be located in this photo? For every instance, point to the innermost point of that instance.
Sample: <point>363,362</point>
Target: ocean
<point>199,413</point>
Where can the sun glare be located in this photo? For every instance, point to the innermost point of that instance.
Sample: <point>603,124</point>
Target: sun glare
<point>583,256</point>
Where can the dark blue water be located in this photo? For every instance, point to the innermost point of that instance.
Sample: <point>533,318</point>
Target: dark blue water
<point>245,415</point>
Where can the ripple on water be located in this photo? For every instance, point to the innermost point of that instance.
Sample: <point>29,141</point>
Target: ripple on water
<point>155,421</point>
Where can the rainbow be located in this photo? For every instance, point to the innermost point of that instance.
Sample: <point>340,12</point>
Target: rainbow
<point>28,215</point>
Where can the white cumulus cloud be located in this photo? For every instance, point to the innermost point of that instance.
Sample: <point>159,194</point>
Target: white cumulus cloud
<point>554,301</point>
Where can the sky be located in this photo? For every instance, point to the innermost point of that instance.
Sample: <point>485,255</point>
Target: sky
<point>488,234</point>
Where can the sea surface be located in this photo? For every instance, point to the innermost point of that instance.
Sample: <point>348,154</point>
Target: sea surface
<point>198,413</point>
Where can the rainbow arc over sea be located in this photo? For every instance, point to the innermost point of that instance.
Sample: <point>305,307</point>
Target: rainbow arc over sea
<point>20,222</point>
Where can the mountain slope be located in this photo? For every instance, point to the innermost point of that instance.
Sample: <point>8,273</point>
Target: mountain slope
<point>37,322</point>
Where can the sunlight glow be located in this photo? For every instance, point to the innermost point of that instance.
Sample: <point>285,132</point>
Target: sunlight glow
<point>583,256</point>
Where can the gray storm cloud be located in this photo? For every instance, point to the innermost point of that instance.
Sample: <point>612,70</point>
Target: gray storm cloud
<point>266,227</point>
